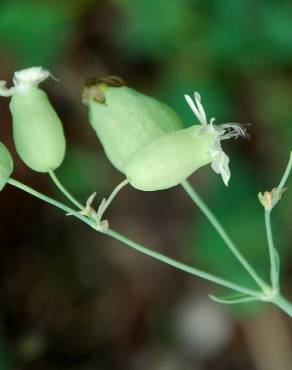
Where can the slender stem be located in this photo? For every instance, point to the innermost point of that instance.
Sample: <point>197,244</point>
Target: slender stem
<point>277,299</point>
<point>64,191</point>
<point>286,174</point>
<point>283,304</point>
<point>134,245</point>
<point>274,271</point>
<point>112,196</point>
<point>180,265</point>
<point>115,192</point>
<point>274,268</point>
<point>218,227</point>
<point>51,201</point>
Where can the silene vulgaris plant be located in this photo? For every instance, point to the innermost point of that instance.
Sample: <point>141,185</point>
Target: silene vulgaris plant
<point>146,141</point>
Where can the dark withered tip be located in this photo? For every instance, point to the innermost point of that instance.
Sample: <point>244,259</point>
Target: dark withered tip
<point>94,88</point>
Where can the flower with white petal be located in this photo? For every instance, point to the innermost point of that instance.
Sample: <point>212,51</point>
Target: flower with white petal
<point>24,79</point>
<point>37,130</point>
<point>220,161</point>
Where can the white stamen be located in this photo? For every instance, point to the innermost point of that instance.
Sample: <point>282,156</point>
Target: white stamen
<point>233,130</point>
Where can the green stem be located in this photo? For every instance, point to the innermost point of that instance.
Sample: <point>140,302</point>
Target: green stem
<point>112,196</point>
<point>283,304</point>
<point>64,191</point>
<point>115,192</point>
<point>218,227</point>
<point>278,299</point>
<point>134,245</point>
<point>274,263</point>
<point>274,270</point>
<point>179,265</point>
<point>51,201</point>
<point>286,174</point>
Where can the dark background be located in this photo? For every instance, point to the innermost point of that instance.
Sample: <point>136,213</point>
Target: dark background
<point>74,299</point>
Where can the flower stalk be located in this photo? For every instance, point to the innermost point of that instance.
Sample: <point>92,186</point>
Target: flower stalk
<point>219,228</point>
<point>266,294</point>
<point>146,141</point>
<point>167,260</point>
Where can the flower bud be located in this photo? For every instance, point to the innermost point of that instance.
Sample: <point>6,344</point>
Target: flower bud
<point>124,119</point>
<point>6,165</point>
<point>37,130</point>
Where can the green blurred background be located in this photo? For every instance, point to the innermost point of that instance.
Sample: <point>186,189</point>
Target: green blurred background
<point>73,299</point>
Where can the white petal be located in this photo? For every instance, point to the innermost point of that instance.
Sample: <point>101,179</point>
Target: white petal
<point>197,108</point>
<point>33,76</point>
<point>201,109</point>
<point>220,165</point>
<point>4,91</point>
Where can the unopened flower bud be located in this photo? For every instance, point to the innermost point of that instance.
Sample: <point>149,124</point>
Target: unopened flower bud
<point>124,119</point>
<point>6,165</point>
<point>37,130</point>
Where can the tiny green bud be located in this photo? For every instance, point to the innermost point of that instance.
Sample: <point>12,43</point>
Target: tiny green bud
<point>6,165</point>
<point>124,119</point>
<point>172,157</point>
<point>37,130</point>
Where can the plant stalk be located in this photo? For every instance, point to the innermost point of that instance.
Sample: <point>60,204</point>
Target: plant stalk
<point>65,191</point>
<point>219,228</point>
<point>283,304</point>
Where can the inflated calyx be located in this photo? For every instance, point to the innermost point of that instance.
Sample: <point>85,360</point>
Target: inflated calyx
<point>124,119</point>
<point>37,130</point>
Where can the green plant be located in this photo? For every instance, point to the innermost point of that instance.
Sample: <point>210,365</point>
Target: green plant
<point>164,157</point>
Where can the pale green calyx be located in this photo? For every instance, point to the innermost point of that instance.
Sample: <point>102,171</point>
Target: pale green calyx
<point>37,130</point>
<point>6,165</point>
<point>124,119</point>
<point>170,158</point>
<point>220,161</point>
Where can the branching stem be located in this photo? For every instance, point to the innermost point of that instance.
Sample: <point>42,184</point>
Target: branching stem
<point>218,227</point>
<point>135,245</point>
<point>65,191</point>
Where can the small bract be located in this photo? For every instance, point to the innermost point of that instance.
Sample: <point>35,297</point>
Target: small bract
<point>6,165</point>
<point>173,157</point>
<point>37,130</point>
<point>124,119</point>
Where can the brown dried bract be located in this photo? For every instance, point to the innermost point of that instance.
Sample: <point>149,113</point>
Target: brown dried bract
<point>94,88</point>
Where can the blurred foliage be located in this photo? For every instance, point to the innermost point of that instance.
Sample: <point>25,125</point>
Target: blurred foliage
<point>84,171</point>
<point>152,29</point>
<point>5,356</point>
<point>37,33</point>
